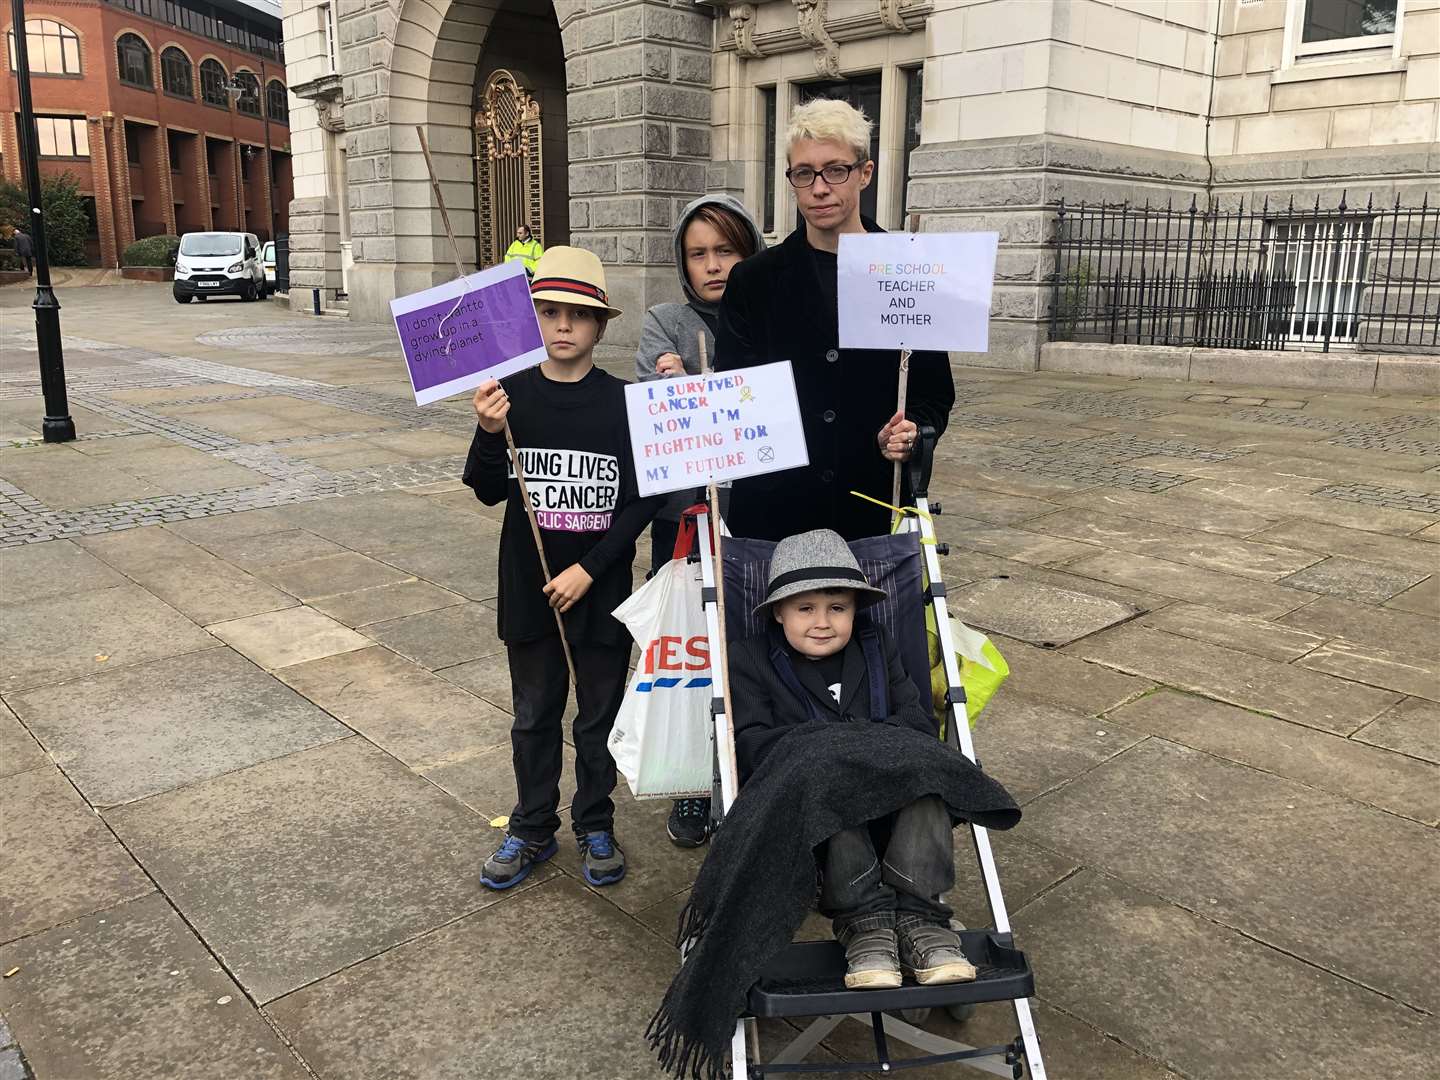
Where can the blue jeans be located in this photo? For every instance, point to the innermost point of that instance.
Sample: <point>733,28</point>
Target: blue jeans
<point>863,890</point>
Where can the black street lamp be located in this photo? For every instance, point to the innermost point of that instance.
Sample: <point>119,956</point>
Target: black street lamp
<point>58,425</point>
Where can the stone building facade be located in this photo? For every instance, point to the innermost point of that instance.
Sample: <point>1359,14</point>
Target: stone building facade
<point>989,112</point>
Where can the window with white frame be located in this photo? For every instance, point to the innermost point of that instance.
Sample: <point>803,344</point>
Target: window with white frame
<point>1332,28</point>
<point>1319,263</point>
<point>327,29</point>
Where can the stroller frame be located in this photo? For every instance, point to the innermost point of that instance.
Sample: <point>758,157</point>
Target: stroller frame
<point>745,1043</point>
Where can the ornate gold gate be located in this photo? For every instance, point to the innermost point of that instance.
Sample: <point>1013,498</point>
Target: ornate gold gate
<point>509,189</point>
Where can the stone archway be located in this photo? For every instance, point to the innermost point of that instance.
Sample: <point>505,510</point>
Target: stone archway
<point>637,139</point>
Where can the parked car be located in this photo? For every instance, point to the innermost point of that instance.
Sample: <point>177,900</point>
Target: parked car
<point>267,258</point>
<point>218,264</point>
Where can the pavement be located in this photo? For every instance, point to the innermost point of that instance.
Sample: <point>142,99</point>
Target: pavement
<point>254,731</point>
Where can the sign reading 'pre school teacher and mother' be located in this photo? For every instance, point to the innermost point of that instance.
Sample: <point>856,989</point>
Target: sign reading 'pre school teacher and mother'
<point>916,290</point>
<point>697,429</point>
<point>457,335</point>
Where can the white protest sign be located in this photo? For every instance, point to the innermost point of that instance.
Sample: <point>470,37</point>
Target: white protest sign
<point>697,429</point>
<point>916,290</point>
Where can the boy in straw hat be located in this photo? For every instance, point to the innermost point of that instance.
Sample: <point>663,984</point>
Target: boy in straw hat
<point>823,661</point>
<point>567,418</point>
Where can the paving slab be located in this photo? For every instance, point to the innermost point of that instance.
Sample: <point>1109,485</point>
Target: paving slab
<point>466,567</point>
<point>1213,1003</point>
<point>19,752</point>
<point>51,639</point>
<point>361,607</point>
<point>1412,727</point>
<point>287,890</point>
<point>1026,871</point>
<point>960,567</point>
<point>429,1010</point>
<point>1305,697</point>
<point>1279,501</point>
<point>326,575</point>
<point>488,678</point>
<point>278,639</point>
<point>1063,679</point>
<point>484,780</point>
<point>1356,580</point>
<point>1241,558</point>
<point>63,479</point>
<point>230,526</point>
<point>54,568</point>
<point>990,506</point>
<point>1283,863</point>
<point>125,734</point>
<point>1423,599</point>
<point>1037,613</point>
<point>442,638</point>
<point>61,862</point>
<point>1406,674</point>
<point>1170,509</point>
<point>266,548</point>
<point>1199,586</point>
<point>1033,746</point>
<point>654,867</point>
<point>131,992</point>
<point>1366,624</point>
<point>418,717</point>
<point>1023,546</point>
<point>1401,552</point>
<point>1342,766</point>
<point>375,524</point>
<point>1258,636</point>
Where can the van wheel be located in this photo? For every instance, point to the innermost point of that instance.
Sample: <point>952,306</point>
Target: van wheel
<point>249,293</point>
<point>183,299</point>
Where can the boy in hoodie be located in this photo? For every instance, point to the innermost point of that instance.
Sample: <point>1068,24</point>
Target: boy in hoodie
<point>713,234</point>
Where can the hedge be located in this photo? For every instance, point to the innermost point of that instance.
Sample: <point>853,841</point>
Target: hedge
<point>151,251</point>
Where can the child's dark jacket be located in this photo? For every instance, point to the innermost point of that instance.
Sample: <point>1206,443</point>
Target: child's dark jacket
<point>574,445</point>
<point>766,708</point>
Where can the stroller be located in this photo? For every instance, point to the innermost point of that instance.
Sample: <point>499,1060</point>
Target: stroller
<point>806,980</point>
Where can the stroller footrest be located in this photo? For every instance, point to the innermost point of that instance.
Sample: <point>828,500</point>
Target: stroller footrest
<point>808,979</point>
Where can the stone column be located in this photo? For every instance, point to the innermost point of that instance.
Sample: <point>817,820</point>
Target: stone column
<point>201,159</point>
<point>167,192</point>
<point>639,76</point>
<point>124,204</point>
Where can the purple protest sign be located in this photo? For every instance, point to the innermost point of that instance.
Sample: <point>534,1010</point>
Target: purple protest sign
<point>457,335</point>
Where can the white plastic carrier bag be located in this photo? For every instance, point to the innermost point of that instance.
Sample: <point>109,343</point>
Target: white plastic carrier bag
<point>663,734</point>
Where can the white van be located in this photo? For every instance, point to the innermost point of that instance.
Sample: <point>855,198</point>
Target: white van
<point>218,264</point>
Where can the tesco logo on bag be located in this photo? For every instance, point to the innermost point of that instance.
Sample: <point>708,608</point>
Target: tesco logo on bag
<point>672,653</point>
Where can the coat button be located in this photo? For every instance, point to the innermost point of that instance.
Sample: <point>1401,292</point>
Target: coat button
<point>828,475</point>
<point>832,355</point>
<point>828,416</point>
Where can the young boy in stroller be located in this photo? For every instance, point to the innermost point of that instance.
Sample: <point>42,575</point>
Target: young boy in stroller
<point>822,661</point>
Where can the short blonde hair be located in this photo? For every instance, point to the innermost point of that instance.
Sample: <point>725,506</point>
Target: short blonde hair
<point>828,120</point>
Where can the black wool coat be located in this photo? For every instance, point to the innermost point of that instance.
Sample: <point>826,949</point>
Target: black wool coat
<point>766,708</point>
<point>776,309</point>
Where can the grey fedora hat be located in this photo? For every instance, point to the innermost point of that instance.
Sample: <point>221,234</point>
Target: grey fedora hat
<point>819,559</point>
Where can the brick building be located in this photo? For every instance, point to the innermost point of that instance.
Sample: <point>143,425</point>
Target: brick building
<point>989,112</point>
<point>134,98</point>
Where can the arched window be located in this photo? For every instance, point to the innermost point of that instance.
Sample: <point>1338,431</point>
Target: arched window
<point>176,74</point>
<point>134,57</point>
<point>249,101</point>
<point>277,104</point>
<point>212,84</point>
<point>51,47</point>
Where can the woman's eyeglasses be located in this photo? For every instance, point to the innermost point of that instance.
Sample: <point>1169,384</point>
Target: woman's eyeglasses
<point>802,176</point>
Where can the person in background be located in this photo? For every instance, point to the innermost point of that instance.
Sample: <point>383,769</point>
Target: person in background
<point>524,249</point>
<point>713,234</point>
<point>25,250</point>
<point>783,305</point>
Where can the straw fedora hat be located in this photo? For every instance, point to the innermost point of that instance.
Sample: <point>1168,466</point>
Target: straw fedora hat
<point>572,275</point>
<point>819,559</point>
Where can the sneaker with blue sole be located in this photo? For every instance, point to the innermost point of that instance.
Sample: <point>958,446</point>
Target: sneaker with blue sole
<point>601,860</point>
<point>513,860</point>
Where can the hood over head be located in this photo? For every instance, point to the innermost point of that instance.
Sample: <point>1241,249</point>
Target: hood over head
<point>725,202</point>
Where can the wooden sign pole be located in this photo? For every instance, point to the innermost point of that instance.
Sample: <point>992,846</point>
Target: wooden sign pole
<point>900,393</point>
<point>712,493</point>
<point>509,438</point>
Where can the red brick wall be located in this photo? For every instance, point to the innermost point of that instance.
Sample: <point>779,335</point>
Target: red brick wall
<point>100,96</point>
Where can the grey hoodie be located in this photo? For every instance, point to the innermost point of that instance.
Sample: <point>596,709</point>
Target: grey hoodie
<point>675,328</point>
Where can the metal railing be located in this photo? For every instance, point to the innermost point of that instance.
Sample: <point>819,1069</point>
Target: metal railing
<point>1266,276</point>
